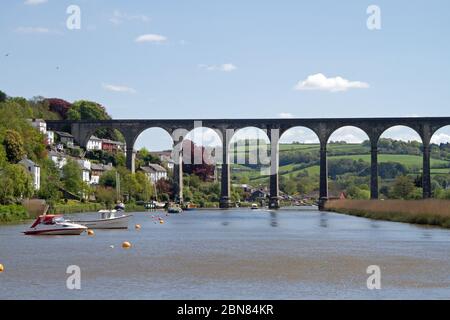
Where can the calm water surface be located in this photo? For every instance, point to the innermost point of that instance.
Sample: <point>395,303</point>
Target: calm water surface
<point>235,254</point>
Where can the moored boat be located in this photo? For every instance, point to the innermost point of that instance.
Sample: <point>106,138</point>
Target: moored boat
<point>54,225</point>
<point>108,220</point>
<point>254,206</point>
<point>174,209</point>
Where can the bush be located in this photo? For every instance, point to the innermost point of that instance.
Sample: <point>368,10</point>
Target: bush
<point>11,213</point>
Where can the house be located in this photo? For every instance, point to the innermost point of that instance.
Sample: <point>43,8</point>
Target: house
<point>85,166</point>
<point>65,138</point>
<point>59,159</point>
<point>258,195</point>
<point>34,170</point>
<point>154,172</point>
<point>112,146</point>
<point>165,157</point>
<point>94,143</point>
<point>50,138</point>
<point>39,124</point>
<point>97,171</point>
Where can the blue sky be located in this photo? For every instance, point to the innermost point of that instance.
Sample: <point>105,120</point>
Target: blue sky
<point>231,59</point>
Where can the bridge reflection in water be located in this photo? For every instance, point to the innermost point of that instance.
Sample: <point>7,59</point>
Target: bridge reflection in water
<point>225,128</point>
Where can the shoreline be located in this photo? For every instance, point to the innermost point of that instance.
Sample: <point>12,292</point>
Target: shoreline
<point>430,212</point>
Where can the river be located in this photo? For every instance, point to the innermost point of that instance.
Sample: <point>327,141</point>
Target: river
<point>233,254</point>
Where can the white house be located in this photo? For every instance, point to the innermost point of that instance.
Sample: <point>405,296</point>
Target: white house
<point>94,143</point>
<point>85,166</point>
<point>50,137</point>
<point>34,170</point>
<point>154,172</point>
<point>59,159</point>
<point>39,124</point>
<point>97,170</point>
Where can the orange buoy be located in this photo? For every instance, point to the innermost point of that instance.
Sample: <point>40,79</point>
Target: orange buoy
<point>138,226</point>
<point>2,268</point>
<point>126,245</point>
<point>90,232</point>
<point>161,221</point>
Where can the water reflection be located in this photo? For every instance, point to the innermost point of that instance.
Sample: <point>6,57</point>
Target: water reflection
<point>323,220</point>
<point>225,221</point>
<point>273,219</point>
<point>374,224</point>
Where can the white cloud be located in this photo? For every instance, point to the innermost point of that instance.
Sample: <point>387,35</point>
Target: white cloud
<point>402,133</point>
<point>29,30</point>
<point>299,134</point>
<point>321,82</point>
<point>117,88</point>
<point>285,115</point>
<point>34,2</point>
<point>349,135</point>
<point>226,67</point>
<point>118,17</point>
<point>439,138</point>
<point>151,38</point>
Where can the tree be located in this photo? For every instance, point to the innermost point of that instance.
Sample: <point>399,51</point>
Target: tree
<point>59,106</point>
<point>72,177</point>
<point>108,179</point>
<point>13,146</point>
<point>50,181</point>
<point>107,196</point>
<point>403,187</point>
<point>16,183</point>
<point>3,96</point>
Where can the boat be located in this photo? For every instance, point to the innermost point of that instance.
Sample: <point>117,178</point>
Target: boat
<point>254,206</point>
<point>108,220</point>
<point>190,206</point>
<point>174,209</point>
<point>54,225</point>
<point>120,206</point>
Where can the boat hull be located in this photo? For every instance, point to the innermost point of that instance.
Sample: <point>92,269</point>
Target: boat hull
<point>111,223</point>
<point>56,232</point>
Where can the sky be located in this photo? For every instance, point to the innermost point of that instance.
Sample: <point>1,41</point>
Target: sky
<point>233,59</point>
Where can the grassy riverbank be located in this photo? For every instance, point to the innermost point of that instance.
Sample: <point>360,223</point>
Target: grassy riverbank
<point>75,207</point>
<point>12,213</point>
<point>425,212</point>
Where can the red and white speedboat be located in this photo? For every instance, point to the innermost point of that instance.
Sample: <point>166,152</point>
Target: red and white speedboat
<point>54,225</point>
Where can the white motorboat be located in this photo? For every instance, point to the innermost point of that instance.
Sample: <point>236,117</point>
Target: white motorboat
<point>54,225</point>
<point>108,220</point>
<point>254,206</point>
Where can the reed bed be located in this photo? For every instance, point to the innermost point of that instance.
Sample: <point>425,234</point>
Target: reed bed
<point>426,212</point>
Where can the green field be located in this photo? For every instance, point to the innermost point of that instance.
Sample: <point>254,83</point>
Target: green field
<point>353,151</point>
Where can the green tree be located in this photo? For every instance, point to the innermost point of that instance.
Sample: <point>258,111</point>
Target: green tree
<point>50,181</point>
<point>13,146</point>
<point>108,179</point>
<point>16,183</point>
<point>3,96</point>
<point>403,187</point>
<point>72,177</point>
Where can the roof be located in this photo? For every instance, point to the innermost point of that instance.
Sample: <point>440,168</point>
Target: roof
<point>95,138</point>
<point>57,154</point>
<point>100,167</point>
<point>28,162</point>
<point>36,120</point>
<point>152,167</point>
<point>64,134</point>
<point>112,142</point>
